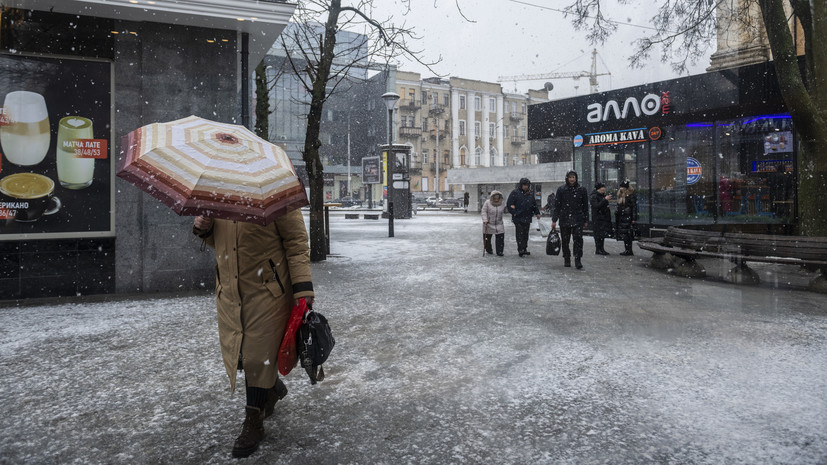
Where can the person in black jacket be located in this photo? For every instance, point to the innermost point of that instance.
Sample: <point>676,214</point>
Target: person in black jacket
<point>522,207</point>
<point>601,217</point>
<point>626,216</point>
<point>571,208</point>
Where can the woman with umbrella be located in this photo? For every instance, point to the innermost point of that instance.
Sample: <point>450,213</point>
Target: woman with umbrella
<point>260,272</point>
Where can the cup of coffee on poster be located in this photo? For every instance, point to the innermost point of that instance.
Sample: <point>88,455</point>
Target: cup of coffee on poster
<point>24,132</point>
<point>27,196</point>
<point>75,159</point>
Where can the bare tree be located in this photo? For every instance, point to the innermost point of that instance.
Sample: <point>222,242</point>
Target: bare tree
<point>321,65</point>
<point>685,29</point>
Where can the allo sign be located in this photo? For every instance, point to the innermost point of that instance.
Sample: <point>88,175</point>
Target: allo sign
<point>649,105</point>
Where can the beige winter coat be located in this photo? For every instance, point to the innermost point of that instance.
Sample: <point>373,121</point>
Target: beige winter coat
<point>253,303</point>
<point>492,213</point>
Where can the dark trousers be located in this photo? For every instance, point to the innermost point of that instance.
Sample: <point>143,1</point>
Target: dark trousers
<point>568,231</point>
<point>499,240</point>
<point>598,243</point>
<point>522,236</point>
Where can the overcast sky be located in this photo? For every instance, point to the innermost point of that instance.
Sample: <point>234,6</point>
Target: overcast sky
<point>517,37</point>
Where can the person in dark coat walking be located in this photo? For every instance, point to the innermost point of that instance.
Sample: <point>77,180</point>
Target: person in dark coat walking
<point>571,208</point>
<point>601,217</point>
<point>522,207</point>
<point>626,216</point>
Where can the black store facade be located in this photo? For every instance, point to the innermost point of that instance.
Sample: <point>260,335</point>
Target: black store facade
<point>108,68</point>
<point>715,149</point>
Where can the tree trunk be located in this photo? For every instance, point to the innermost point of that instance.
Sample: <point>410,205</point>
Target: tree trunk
<point>315,171</point>
<point>806,104</point>
<point>262,103</point>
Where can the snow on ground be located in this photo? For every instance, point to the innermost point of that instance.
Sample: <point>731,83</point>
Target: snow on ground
<point>442,356</point>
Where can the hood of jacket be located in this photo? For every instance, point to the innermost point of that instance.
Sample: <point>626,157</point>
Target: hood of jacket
<point>576,179</point>
<point>497,204</point>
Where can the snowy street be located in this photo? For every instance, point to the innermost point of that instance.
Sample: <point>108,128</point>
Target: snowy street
<point>442,356</point>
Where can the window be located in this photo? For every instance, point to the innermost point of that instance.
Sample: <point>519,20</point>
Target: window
<point>462,102</point>
<point>404,121</point>
<point>477,129</point>
<point>492,104</point>
<point>435,98</point>
<point>491,130</point>
<point>506,131</point>
<point>462,127</point>
<point>523,107</point>
<point>478,156</point>
<point>507,106</point>
<point>424,124</point>
<point>493,156</point>
<point>425,156</point>
<point>445,99</point>
<point>412,95</point>
<point>477,103</point>
<point>424,97</point>
<point>447,127</point>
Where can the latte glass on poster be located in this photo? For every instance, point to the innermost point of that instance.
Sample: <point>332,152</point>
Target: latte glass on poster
<point>25,138</point>
<point>73,172</point>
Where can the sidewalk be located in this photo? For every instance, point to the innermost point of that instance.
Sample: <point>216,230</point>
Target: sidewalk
<point>442,356</point>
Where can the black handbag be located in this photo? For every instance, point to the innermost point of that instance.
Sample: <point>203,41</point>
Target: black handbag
<point>553,243</point>
<point>314,342</point>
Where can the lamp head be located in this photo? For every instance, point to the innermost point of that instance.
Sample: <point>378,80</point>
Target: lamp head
<point>390,99</point>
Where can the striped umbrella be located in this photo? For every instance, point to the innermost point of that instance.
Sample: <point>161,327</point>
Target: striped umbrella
<point>201,167</point>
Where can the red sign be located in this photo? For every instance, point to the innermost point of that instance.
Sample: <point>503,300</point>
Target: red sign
<point>654,133</point>
<point>87,148</point>
<point>665,105</point>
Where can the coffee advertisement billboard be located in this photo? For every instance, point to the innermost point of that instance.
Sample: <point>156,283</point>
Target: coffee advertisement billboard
<point>56,166</point>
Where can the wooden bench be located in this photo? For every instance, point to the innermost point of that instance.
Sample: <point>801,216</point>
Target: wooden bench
<point>740,248</point>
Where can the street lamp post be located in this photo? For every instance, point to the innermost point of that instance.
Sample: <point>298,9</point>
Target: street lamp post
<point>390,99</point>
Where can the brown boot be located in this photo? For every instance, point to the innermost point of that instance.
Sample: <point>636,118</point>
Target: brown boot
<point>274,394</point>
<point>252,432</point>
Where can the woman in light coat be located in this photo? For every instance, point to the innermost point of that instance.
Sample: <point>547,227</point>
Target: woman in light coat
<point>492,220</point>
<point>261,271</point>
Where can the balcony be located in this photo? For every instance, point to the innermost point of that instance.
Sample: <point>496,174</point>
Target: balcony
<point>516,116</point>
<point>443,133</point>
<point>517,140</point>
<point>436,109</point>
<point>410,131</point>
<point>409,105</point>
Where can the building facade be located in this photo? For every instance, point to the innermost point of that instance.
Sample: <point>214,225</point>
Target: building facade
<point>455,125</point>
<point>716,148</point>
<point>121,66</point>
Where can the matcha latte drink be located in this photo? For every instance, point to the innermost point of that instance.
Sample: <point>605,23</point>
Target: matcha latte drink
<point>73,172</point>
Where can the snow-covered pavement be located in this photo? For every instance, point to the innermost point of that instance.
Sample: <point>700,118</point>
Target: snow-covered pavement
<point>442,356</point>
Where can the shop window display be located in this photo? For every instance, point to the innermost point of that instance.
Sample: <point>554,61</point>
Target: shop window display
<point>755,169</point>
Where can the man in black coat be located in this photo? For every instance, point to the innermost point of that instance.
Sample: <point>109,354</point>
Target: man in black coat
<point>601,217</point>
<point>522,206</point>
<point>571,208</point>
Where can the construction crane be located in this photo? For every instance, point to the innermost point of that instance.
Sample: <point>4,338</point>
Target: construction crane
<point>592,75</point>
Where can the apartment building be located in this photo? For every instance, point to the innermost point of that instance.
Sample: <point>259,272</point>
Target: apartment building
<point>457,123</point>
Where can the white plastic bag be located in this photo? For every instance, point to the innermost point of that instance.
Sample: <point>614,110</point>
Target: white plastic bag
<point>545,228</point>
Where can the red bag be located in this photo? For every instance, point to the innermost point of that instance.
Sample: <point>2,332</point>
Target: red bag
<point>288,356</point>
